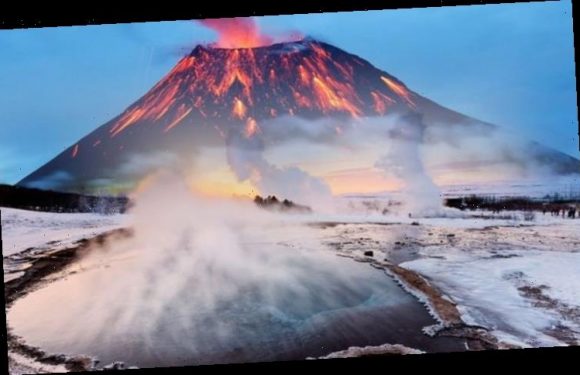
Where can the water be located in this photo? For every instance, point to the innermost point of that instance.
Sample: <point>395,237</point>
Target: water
<point>330,304</point>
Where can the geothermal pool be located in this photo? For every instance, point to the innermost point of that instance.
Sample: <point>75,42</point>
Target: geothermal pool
<point>305,303</point>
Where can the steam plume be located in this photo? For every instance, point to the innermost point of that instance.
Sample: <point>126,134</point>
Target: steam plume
<point>218,265</point>
<point>246,159</point>
<point>403,160</point>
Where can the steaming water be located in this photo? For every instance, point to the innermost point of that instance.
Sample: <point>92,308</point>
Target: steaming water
<point>340,303</point>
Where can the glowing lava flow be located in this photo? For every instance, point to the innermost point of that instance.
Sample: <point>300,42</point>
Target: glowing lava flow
<point>399,90</point>
<point>239,110</point>
<point>251,128</point>
<point>306,78</point>
<point>178,120</point>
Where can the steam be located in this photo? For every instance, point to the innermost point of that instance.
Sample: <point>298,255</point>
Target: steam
<point>419,157</point>
<point>402,137</point>
<point>243,33</point>
<point>246,159</point>
<point>201,258</point>
<point>488,153</point>
<point>403,161</point>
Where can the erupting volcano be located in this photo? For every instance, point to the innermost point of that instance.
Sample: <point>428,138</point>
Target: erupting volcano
<point>217,92</point>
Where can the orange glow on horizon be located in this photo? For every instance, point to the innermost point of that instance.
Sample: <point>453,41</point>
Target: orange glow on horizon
<point>359,180</point>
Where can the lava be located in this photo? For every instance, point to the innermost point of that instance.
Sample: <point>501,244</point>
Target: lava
<point>251,128</point>
<point>178,119</point>
<point>381,102</point>
<point>75,151</point>
<point>399,90</point>
<point>239,110</point>
<point>329,99</point>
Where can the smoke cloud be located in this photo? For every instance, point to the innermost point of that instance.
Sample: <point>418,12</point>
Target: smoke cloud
<point>416,155</point>
<point>244,32</point>
<point>403,161</point>
<point>246,158</point>
<point>401,137</point>
<point>237,32</point>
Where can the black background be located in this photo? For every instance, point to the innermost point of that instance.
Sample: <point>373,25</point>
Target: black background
<point>29,14</point>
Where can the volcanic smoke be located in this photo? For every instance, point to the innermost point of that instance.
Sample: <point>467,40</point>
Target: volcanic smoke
<point>244,33</point>
<point>237,32</point>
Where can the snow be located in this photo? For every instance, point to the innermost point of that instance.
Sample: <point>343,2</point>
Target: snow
<point>23,229</point>
<point>486,289</point>
<point>356,351</point>
<point>560,272</point>
<point>19,364</point>
<point>531,188</point>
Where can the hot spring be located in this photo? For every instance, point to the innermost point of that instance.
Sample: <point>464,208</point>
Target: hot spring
<point>203,282</point>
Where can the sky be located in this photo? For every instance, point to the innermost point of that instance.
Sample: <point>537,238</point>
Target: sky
<point>508,64</point>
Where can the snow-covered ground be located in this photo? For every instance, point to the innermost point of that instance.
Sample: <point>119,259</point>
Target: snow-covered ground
<point>36,232</point>
<point>563,186</point>
<point>532,188</point>
<point>24,229</point>
<point>355,351</point>
<point>20,365</point>
<point>522,283</point>
<point>491,292</point>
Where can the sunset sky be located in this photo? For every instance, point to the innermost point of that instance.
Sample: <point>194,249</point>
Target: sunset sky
<point>508,64</point>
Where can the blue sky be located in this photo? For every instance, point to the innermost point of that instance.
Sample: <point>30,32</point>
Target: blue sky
<point>509,64</point>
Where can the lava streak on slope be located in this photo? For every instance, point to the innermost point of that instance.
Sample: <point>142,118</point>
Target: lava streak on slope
<point>399,89</point>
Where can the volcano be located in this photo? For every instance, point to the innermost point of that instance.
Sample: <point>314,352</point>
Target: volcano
<point>214,93</point>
